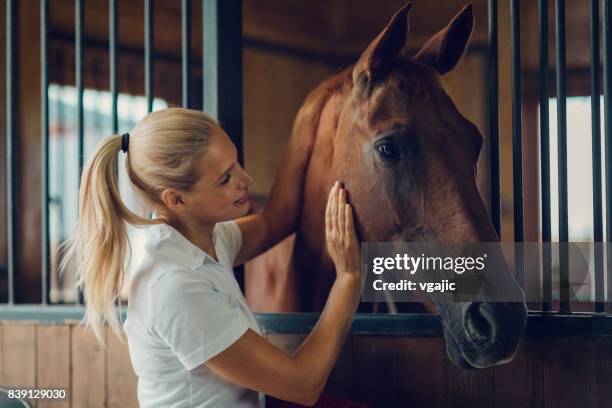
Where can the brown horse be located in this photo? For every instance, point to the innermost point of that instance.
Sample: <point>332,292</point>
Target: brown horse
<point>389,131</point>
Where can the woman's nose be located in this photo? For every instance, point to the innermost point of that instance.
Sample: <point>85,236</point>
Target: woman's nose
<point>245,179</point>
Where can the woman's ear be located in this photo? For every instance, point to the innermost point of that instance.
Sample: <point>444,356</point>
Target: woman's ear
<point>172,199</point>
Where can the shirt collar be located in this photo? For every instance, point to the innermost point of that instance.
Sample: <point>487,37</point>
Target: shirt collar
<point>171,244</point>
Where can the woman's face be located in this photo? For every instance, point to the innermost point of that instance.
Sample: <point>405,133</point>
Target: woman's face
<point>221,193</point>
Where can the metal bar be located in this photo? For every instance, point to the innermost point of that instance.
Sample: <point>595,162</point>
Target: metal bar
<point>12,186</point>
<point>596,156</point>
<point>44,160</point>
<point>112,51</point>
<point>186,51</point>
<point>149,54</point>
<point>545,157</point>
<point>607,83</point>
<point>222,67</point>
<point>493,77</point>
<point>403,324</point>
<point>517,150</point>
<point>564,306</point>
<point>78,71</point>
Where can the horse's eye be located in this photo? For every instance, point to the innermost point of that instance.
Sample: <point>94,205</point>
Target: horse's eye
<point>389,150</point>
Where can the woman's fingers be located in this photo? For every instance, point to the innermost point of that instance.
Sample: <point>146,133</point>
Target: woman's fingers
<point>341,212</point>
<point>349,227</point>
<point>334,206</point>
<point>328,212</point>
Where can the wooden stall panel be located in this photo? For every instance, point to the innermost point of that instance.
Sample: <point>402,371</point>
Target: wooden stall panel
<point>19,355</point>
<point>120,377</point>
<point>520,382</point>
<point>1,354</point>
<point>53,361</point>
<point>88,383</point>
<point>604,372</point>
<point>570,372</point>
<point>399,371</point>
<point>340,379</point>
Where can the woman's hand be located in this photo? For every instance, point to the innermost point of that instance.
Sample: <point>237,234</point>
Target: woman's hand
<point>253,362</point>
<point>342,243</point>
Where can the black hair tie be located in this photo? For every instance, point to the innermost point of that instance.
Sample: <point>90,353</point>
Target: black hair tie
<point>125,141</point>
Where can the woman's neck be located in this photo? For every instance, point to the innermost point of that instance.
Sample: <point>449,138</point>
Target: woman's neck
<point>198,234</point>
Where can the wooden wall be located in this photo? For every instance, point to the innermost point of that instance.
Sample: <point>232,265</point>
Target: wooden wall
<point>67,356</point>
<point>385,371</point>
<point>414,372</point>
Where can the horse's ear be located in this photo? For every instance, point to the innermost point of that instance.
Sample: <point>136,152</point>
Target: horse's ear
<point>387,45</point>
<point>444,50</point>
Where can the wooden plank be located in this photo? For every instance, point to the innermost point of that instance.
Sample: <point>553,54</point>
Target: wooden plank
<point>604,372</point>
<point>88,382</point>
<point>421,373</point>
<point>53,361</point>
<point>469,388</point>
<point>372,380</point>
<point>519,383</point>
<point>340,379</point>
<point>1,353</point>
<point>398,371</point>
<point>19,355</point>
<point>120,376</point>
<point>570,375</point>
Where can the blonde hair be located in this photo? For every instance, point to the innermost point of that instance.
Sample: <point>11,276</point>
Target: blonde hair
<point>164,150</point>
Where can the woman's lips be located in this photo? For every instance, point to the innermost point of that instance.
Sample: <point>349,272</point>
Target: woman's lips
<point>243,199</point>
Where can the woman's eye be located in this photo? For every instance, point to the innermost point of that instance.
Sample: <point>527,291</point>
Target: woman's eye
<point>225,179</point>
<point>389,151</point>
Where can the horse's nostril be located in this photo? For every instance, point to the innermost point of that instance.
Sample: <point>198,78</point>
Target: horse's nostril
<point>477,325</point>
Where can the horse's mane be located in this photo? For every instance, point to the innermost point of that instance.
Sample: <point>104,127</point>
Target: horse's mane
<point>307,119</point>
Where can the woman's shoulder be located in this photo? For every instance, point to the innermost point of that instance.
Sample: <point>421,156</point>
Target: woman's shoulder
<point>176,279</point>
<point>227,229</point>
<point>228,232</point>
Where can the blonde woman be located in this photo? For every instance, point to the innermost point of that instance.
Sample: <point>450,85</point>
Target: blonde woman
<point>192,339</point>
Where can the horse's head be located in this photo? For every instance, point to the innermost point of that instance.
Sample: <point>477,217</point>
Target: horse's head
<point>409,161</point>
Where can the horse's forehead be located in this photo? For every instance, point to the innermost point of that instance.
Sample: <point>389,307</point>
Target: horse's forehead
<point>408,90</point>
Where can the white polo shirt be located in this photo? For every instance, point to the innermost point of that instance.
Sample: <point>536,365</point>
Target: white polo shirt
<point>184,308</point>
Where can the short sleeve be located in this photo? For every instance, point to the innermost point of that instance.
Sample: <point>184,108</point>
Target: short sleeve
<point>229,232</point>
<point>193,318</point>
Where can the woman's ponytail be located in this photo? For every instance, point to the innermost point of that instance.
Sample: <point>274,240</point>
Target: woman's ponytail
<point>165,150</point>
<point>99,245</point>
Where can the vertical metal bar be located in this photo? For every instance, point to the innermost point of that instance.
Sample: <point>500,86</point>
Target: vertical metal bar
<point>517,150</point>
<point>545,158</point>
<point>78,71</point>
<point>112,51</point>
<point>607,78</point>
<point>44,160</point>
<point>186,48</point>
<point>210,57</point>
<point>149,54</point>
<point>493,77</point>
<point>12,186</point>
<point>596,156</point>
<point>222,66</point>
<point>564,306</point>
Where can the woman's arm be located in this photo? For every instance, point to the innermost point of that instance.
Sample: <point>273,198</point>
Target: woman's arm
<point>279,218</point>
<point>255,363</point>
